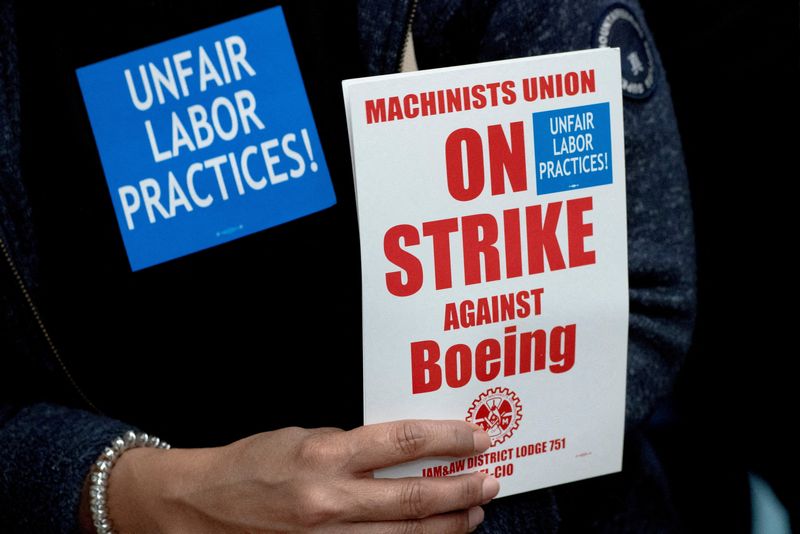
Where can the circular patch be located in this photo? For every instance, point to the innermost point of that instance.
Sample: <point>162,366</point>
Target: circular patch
<point>498,412</point>
<point>619,28</point>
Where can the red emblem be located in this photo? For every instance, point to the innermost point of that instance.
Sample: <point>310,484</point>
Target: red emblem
<point>498,411</point>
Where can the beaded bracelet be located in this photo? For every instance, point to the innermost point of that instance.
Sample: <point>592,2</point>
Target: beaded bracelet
<point>101,470</point>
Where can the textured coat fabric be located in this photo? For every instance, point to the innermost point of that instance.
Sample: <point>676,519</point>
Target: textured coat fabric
<point>48,439</point>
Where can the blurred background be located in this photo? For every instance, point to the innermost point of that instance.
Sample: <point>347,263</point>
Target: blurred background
<point>728,436</point>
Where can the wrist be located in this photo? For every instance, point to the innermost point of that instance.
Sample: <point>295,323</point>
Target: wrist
<point>150,490</point>
<point>100,474</point>
<point>135,491</point>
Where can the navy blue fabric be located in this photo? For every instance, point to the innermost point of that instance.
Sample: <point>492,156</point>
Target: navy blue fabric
<point>45,450</point>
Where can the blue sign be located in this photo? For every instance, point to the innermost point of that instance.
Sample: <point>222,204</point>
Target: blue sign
<point>206,138</point>
<point>572,147</point>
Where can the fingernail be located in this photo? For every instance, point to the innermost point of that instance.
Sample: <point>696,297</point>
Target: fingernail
<point>490,488</point>
<point>482,440</point>
<point>475,517</point>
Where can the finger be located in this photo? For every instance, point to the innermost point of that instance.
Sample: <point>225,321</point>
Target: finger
<point>416,498</point>
<point>452,523</point>
<point>381,445</point>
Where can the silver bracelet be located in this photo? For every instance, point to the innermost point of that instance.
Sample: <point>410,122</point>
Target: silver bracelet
<point>101,470</point>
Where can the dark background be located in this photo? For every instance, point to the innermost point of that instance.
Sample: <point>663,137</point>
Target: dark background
<point>733,69</point>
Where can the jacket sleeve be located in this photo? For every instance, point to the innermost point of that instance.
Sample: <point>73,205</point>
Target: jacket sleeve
<point>661,262</point>
<point>46,452</point>
<point>661,256</point>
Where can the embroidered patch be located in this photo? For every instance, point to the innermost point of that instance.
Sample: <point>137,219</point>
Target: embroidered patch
<point>619,28</point>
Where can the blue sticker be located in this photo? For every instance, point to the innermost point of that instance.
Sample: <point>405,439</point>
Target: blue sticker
<point>619,28</point>
<point>572,147</point>
<point>206,138</point>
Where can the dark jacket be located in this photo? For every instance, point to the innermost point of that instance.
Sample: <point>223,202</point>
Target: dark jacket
<point>49,434</point>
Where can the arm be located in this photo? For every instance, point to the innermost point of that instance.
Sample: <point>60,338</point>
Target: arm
<point>661,256</point>
<point>288,479</point>
<point>293,480</point>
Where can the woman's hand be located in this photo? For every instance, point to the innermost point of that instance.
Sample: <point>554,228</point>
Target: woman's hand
<point>296,480</point>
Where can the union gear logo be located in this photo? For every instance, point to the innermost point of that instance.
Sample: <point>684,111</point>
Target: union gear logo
<point>498,412</point>
<point>619,28</point>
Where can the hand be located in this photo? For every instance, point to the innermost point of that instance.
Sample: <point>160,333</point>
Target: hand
<point>296,480</point>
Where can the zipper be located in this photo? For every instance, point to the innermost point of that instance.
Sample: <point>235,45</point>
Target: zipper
<point>35,312</point>
<point>412,12</point>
